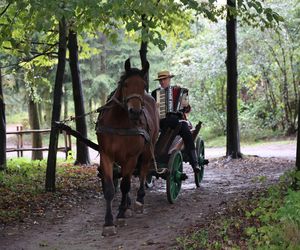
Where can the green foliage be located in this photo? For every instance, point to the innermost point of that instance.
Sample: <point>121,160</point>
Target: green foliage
<point>279,218</point>
<point>265,103</point>
<point>197,240</point>
<point>269,222</point>
<point>192,44</point>
<point>16,118</point>
<point>22,172</point>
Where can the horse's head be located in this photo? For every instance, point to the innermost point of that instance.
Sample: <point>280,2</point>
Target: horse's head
<point>133,90</point>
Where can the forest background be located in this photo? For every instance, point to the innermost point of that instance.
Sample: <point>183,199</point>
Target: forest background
<point>268,67</point>
<point>190,46</point>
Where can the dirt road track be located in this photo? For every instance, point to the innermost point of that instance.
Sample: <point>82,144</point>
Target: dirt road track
<point>80,229</point>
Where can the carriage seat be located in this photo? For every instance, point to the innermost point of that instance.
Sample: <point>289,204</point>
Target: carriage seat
<point>169,140</point>
<point>164,142</point>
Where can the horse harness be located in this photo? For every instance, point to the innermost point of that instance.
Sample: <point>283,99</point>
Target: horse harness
<point>122,131</point>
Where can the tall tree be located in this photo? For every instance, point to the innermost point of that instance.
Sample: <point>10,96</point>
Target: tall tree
<point>298,141</point>
<point>82,153</point>
<point>2,128</point>
<point>57,96</point>
<point>34,122</point>
<point>143,50</point>
<point>232,137</point>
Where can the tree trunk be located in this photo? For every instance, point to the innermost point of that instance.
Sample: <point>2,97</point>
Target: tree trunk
<point>57,95</point>
<point>35,124</point>
<point>298,141</point>
<point>232,138</point>
<point>2,128</point>
<point>82,152</point>
<point>143,56</point>
<point>296,181</point>
<point>143,52</point>
<point>65,96</point>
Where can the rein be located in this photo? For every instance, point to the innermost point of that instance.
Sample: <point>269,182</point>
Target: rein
<point>127,98</point>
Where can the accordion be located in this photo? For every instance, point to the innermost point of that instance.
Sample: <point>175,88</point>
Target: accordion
<point>171,100</point>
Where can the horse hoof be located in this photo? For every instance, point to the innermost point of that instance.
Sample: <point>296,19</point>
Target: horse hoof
<point>139,207</point>
<point>109,231</point>
<point>121,222</point>
<point>128,213</point>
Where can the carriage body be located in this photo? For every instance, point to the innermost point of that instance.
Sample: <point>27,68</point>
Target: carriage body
<point>170,155</point>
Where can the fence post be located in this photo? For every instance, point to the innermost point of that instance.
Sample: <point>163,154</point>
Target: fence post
<point>2,128</point>
<point>68,146</point>
<point>21,137</point>
<point>18,141</point>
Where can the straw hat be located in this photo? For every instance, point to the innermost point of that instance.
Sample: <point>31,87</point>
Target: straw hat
<point>163,74</point>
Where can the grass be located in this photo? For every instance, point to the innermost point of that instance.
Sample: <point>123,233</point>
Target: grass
<point>249,137</point>
<point>268,221</point>
<point>18,118</point>
<point>219,141</point>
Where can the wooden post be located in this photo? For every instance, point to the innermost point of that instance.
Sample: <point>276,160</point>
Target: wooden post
<point>68,147</point>
<point>18,141</point>
<point>2,128</point>
<point>21,141</point>
<point>65,139</point>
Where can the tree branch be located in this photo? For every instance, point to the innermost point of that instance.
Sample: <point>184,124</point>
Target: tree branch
<point>5,9</point>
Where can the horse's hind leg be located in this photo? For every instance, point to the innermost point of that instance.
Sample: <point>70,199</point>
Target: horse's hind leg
<point>109,191</point>
<point>139,203</point>
<point>124,208</point>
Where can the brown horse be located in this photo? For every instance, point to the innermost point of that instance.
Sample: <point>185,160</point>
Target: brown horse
<point>127,129</point>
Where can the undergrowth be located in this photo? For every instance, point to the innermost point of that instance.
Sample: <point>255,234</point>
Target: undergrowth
<point>270,220</point>
<point>22,187</point>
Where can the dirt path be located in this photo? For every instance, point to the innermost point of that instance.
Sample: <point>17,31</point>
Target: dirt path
<point>286,150</point>
<point>279,149</point>
<point>161,223</point>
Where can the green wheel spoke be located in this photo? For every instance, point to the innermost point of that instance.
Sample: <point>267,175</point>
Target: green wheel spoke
<point>201,157</point>
<point>174,179</point>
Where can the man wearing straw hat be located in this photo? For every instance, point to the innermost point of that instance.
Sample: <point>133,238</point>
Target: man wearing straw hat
<point>172,119</point>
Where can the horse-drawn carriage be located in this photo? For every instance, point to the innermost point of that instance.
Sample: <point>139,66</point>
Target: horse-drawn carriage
<point>127,131</point>
<point>169,158</point>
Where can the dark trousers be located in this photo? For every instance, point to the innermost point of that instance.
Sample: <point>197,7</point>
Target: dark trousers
<point>171,121</point>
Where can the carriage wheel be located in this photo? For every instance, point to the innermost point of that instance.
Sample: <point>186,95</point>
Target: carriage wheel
<point>201,160</point>
<point>174,179</point>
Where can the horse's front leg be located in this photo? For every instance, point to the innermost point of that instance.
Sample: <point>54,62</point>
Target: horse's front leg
<point>109,191</point>
<point>124,208</point>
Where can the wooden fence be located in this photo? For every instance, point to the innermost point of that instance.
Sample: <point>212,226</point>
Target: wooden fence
<point>20,147</point>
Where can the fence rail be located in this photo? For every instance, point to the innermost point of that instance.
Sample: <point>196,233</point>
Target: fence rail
<point>20,148</point>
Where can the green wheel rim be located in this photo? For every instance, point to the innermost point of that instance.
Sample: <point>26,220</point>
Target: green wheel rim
<point>201,157</point>
<point>175,177</point>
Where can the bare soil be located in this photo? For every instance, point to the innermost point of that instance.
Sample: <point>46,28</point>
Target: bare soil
<point>224,183</point>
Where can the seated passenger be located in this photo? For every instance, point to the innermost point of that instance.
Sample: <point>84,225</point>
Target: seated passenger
<point>171,118</point>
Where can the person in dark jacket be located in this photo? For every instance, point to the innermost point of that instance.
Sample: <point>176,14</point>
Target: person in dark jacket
<point>172,119</point>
